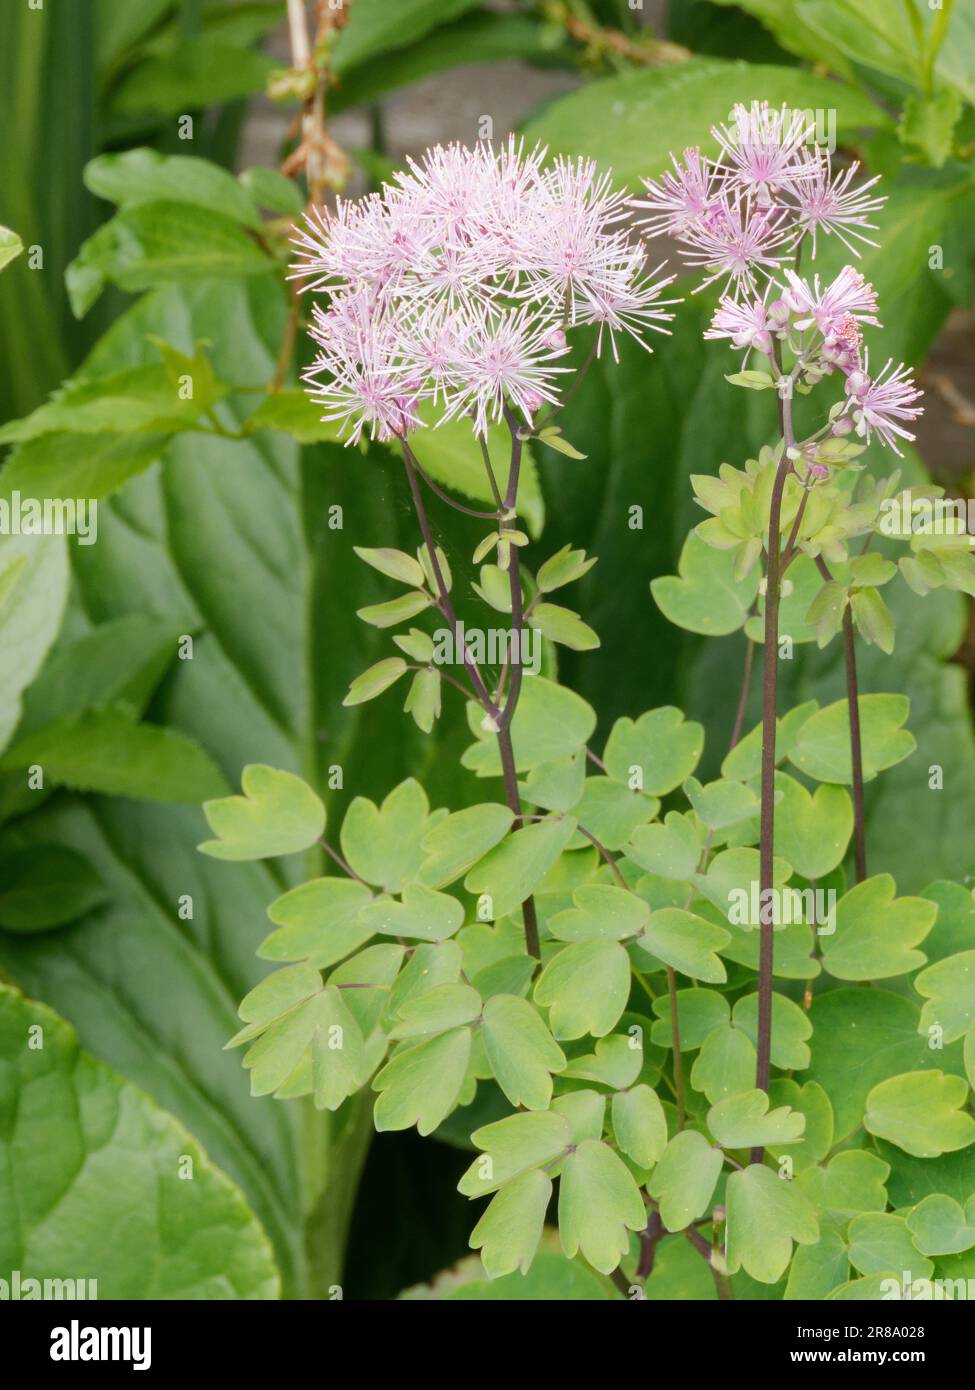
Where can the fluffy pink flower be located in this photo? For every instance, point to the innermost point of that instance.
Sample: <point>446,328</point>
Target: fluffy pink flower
<point>761,150</point>
<point>828,204</point>
<point>358,375</point>
<point>503,357</point>
<point>879,405</point>
<point>849,296</point>
<point>747,324</point>
<point>628,306</point>
<point>735,240</point>
<point>678,199</point>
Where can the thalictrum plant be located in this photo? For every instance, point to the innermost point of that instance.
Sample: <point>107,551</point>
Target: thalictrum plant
<point>608,979</point>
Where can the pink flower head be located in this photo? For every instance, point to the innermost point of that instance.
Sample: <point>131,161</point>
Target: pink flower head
<point>830,205</point>
<point>678,199</point>
<point>502,357</point>
<point>460,283</point>
<point>358,375</point>
<point>628,306</point>
<point>747,324</point>
<point>734,240</point>
<point>848,297</point>
<point>879,405</point>
<point>761,150</point>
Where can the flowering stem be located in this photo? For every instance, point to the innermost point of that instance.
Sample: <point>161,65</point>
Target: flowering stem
<point>501,718</point>
<point>451,501</point>
<point>770,683</point>
<point>446,606</point>
<point>856,743</point>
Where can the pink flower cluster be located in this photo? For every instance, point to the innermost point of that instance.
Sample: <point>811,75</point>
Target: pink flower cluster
<point>742,215</point>
<point>456,288</point>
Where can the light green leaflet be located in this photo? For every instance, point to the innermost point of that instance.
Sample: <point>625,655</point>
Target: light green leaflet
<point>278,814</point>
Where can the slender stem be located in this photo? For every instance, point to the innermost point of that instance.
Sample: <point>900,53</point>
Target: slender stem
<point>492,480</point>
<point>649,1240</point>
<point>614,867</point>
<point>856,746</point>
<point>770,681</point>
<point>505,748</point>
<point>446,605</point>
<point>856,742</point>
<point>343,865</point>
<point>675,1040</point>
<point>580,377</point>
<point>746,682</point>
<point>451,501</point>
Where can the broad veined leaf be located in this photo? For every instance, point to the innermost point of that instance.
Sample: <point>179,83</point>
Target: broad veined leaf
<point>105,1201</point>
<point>640,1125</point>
<point>949,992</point>
<point>105,750</point>
<point>75,464</point>
<point>631,123</point>
<point>513,1146</point>
<point>148,244</point>
<point>875,932</point>
<point>765,1216</point>
<point>599,1202</point>
<point>654,753</point>
<point>822,746</point>
<point>509,1232</point>
<point>421,1085</point>
<point>47,886</point>
<point>684,1179</point>
<point>509,873</point>
<point>522,1052</point>
<point>293,412</point>
<point>228,541</point>
<point>921,1112</point>
<point>941,1226</point>
<point>744,1121</point>
<point>278,814</point>
<point>33,591</point>
<point>146,176</point>
<point>585,987</point>
<point>457,842</point>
